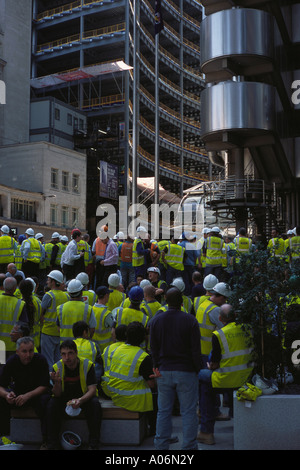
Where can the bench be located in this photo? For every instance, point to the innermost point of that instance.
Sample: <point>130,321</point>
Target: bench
<point>118,426</point>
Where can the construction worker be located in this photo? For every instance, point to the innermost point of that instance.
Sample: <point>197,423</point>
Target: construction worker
<point>74,310</point>
<point>190,260</point>
<point>173,255</point>
<point>207,315</point>
<point>150,305</point>
<point>125,257</point>
<point>8,247</point>
<point>200,245</point>
<point>214,247</point>
<point>197,289</point>
<point>82,245</point>
<point>12,310</point>
<point>160,285</point>
<point>104,319</point>
<point>120,338</point>
<point>79,392</point>
<point>132,313</point>
<point>56,252</point>
<point>209,283</point>
<point>33,253</point>
<point>187,301</point>
<point>88,295</point>
<point>50,338</point>
<point>243,244</point>
<point>129,384</point>
<point>42,266</point>
<point>107,256</point>
<point>276,245</point>
<point>229,367</point>
<point>294,247</point>
<point>87,348</point>
<point>71,260</point>
<point>140,252</point>
<point>33,308</point>
<point>18,255</point>
<point>116,297</point>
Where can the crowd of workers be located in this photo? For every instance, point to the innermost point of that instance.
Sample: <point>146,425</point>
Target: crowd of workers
<point>142,322</point>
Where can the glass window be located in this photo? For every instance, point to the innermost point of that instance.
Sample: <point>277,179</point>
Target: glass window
<point>64,216</point>
<point>65,181</point>
<point>53,214</point>
<point>57,114</point>
<point>69,119</point>
<point>54,178</point>
<point>74,217</point>
<point>22,209</point>
<point>75,183</point>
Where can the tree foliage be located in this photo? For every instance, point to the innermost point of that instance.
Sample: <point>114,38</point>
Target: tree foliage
<point>261,291</point>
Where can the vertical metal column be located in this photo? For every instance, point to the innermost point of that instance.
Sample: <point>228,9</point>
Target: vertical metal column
<point>135,104</point>
<point>181,99</point>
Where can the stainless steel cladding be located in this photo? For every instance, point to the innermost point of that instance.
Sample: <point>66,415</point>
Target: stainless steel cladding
<point>237,32</point>
<point>234,105</point>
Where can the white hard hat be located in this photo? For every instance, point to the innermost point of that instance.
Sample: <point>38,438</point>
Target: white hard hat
<point>115,237</point>
<point>83,278</point>
<point>113,280</point>
<point>205,230</point>
<point>38,236</point>
<point>179,283</point>
<point>64,238</point>
<point>56,275</point>
<point>74,286</point>
<point>141,229</point>
<point>30,231</point>
<point>121,235</point>
<point>70,440</point>
<point>210,281</point>
<point>216,229</point>
<point>294,230</point>
<point>5,229</point>
<point>144,283</point>
<point>153,269</point>
<point>222,288</point>
<point>55,235</point>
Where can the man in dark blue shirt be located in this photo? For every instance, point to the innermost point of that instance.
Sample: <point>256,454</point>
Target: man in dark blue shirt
<point>176,355</point>
<point>24,382</point>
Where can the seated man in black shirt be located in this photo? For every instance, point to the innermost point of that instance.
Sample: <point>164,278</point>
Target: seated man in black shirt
<point>74,384</point>
<point>24,382</point>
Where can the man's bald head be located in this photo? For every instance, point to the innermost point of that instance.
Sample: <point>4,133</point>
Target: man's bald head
<point>10,285</point>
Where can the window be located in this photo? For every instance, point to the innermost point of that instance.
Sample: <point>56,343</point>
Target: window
<point>69,119</point>
<point>54,178</point>
<point>22,209</point>
<point>74,217</point>
<point>81,124</point>
<point>65,181</point>
<point>53,214</point>
<point>57,114</point>
<point>64,216</point>
<point>75,183</point>
<point>75,123</point>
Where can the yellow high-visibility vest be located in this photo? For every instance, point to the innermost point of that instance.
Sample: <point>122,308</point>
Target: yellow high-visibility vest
<point>206,326</point>
<point>236,361</point>
<point>127,388</point>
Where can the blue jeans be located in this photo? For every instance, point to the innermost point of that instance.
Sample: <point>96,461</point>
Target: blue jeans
<point>208,401</point>
<point>185,385</point>
<point>50,349</point>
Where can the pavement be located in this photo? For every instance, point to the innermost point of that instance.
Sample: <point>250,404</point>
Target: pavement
<point>223,441</point>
